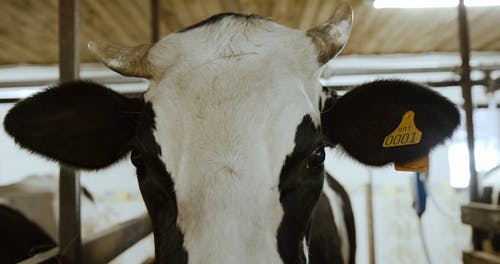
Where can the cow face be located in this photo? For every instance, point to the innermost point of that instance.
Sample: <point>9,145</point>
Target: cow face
<point>232,96</point>
<point>228,140</point>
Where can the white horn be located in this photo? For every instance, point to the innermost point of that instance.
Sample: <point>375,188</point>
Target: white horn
<point>130,61</point>
<point>331,36</point>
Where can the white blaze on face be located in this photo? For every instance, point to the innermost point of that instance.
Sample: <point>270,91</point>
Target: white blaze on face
<point>227,109</point>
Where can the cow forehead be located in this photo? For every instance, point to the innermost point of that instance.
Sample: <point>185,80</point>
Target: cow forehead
<point>244,77</point>
<point>237,72</point>
<point>233,36</point>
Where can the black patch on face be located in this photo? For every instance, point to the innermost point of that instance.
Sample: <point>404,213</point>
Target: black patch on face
<point>216,18</point>
<point>300,187</point>
<point>325,246</point>
<point>158,192</point>
<point>325,242</point>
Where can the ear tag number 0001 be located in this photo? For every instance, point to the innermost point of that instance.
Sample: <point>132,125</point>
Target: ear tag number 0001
<point>406,133</point>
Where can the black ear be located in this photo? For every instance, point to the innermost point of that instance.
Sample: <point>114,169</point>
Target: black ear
<point>79,123</point>
<point>373,122</point>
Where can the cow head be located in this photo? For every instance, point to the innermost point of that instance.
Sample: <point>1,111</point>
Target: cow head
<point>228,140</point>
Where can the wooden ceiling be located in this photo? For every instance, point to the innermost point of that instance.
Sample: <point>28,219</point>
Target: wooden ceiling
<point>29,28</point>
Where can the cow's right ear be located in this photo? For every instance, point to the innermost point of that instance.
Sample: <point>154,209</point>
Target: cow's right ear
<point>82,124</point>
<point>389,121</point>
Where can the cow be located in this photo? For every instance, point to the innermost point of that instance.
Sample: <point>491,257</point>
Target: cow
<point>30,206</point>
<point>21,238</point>
<point>228,140</point>
<point>36,198</point>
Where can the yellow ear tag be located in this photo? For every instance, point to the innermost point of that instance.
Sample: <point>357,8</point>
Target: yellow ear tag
<point>406,133</point>
<point>420,165</point>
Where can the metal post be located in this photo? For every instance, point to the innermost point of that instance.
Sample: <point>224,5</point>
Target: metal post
<point>69,180</point>
<point>467,95</point>
<point>155,20</point>
<point>370,220</point>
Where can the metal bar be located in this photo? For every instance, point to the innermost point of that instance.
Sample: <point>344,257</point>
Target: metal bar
<point>358,71</point>
<point>41,257</point>
<point>126,94</point>
<point>433,84</point>
<point>104,81</point>
<point>115,240</point>
<point>155,20</point>
<point>47,82</point>
<point>69,39</point>
<point>370,218</point>
<point>8,100</point>
<point>69,215</point>
<point>467,95</point>
<point>338,72</point>
<point>381,70</point>
<point>69,180</point>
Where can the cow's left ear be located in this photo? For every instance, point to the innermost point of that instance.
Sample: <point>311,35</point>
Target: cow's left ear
<point>389,121</point>
<point>79,123</point>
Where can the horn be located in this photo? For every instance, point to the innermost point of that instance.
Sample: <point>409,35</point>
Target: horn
<point>129,61</point>
<point>331,36</point>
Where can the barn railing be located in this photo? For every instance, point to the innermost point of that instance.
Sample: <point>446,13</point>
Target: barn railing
<point>106,245</point>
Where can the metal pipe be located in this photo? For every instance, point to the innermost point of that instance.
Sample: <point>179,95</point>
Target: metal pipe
<point>69,39</point>
<point>47,82</point>
<point>42,257</point>
<point>418,69</point>
<point>370,218</point>
<point>112,242</point>
<point>466,85</point>
<point>69,180</point>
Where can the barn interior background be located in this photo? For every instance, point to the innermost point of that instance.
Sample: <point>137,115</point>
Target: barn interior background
<point>420,44</point>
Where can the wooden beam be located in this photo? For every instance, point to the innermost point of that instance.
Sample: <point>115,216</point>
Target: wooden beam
<point>477,257</point>
<point>482,216</point>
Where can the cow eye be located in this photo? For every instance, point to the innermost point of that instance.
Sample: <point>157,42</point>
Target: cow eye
<point>317,157</point>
